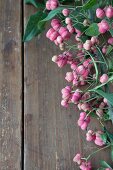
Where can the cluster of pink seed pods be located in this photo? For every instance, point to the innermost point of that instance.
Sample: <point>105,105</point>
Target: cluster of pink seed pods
<point>82,70</point>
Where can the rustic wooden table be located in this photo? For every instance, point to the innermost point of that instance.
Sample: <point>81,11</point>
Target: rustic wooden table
<point>36,133</point>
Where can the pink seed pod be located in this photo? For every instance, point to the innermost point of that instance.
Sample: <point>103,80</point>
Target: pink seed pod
<point>74,66</point>
<point>100,13</point>
<point>79,106</point>
<point>54,4</point>
<point>69,76</point>
<point>76,97</point>
<point>62,46</point>
<point>94,40</point>
<point>70,28</point>
<point>110,41</point>
<point>55,58</point>
<point>68,20</point>
<point>55,23</point>
<point>77,158</point>
<point>85,165</point>
<point>59,39</point>
<point>109,12</point>
<point>104,78</point>
<point>53,36</point>
<point>87,45</point>
<point>49,32</point>
<point>66,35</point>
<point>84,126</point>
<point>80,46</point>
<point>61,30</point>
<point>64,103</point>
<point>83,115</point>
<point>90,136</point>
<point>86,73</point>
<point>81,70</point>
<point>66,92</point>
<point>105,25</point>
<point>85,107</point>
<point>101,29</point>
<point>104,50</point>
<point>48,5</point>
<point>61,62</point>
<point>105,101</point>
<point>86,96</point>
<point>65,12</point>
<point>102,105</point>
<point>98,140</point>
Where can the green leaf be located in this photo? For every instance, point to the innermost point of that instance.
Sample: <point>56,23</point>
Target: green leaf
<point>92,30</point>
<point>35,3</point>
<point>104,164</point>
<point>104,137</point>
<point>53,13</point>
<point>109,49</point>
<point>108,96</point>
<point>109,135</point>
<point>89,4</point>
<point>110,113</point>
<point>111,32</point>
<point>112,151</point>
<point>33,28</point>
<point>95,65</point>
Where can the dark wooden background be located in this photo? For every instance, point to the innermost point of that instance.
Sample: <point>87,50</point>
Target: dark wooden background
<point>36,133</point>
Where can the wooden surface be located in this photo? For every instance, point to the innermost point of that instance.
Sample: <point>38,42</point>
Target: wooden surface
<point>10,85</point>
<point>50,137</point>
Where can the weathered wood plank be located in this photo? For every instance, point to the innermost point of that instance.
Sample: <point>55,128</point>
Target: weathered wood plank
<point>52,137</point>
<point>10,85</point>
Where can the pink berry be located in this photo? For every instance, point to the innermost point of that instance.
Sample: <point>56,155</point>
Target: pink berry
<point>69,76</point>
<point>100,13</point>
<point>66,35</point>
<point>68,20</point>
<point>109,12</point>
<point>81,70</point>
<point>110,41</point>
<point>70,28</point>
<point>94,40</point>
<point>48,5</point>
<point>55,23</point>
<point>90,136</point>
<point>77,158</point>
<point>85,107</point>
<point>65,12</point>
<point>55,58</point>
<point>66,92</point>
<point>105,101</point>
<point>49,32</point>
<point>64,103</point>
<point>104,78</point>
<point>84,126</point>
<point>105,25</point>
<point>104,50</point>
<point>87,45</point>
<point>101,29</point>
<point>54,4</point>
<point>53,36</point>
<point>59,39</point>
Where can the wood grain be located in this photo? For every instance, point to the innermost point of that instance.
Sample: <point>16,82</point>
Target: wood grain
<point>10,85</point>
<point>52,137</point>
